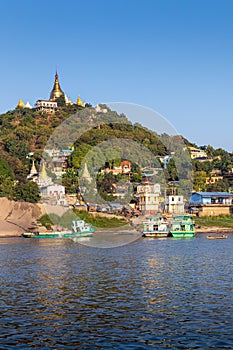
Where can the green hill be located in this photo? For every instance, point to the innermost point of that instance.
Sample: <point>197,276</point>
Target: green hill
<point>25,132</point>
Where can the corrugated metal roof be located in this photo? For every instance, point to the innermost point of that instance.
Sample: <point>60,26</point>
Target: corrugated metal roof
<point>116,205</point>
<point>215,194</point>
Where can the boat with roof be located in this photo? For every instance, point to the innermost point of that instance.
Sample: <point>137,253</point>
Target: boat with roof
<point>157,226</point>
<point>79,229</point>
<point>182,226</point>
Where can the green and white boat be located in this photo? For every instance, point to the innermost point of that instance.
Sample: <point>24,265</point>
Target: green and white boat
<point>155,227</point>
<point>182,226</point>
<point>79,229</point>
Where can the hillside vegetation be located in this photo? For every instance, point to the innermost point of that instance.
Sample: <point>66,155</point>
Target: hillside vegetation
<point>24,133</point>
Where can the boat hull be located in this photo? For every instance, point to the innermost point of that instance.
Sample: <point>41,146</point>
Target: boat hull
<point>182,234</point>
<point>217,237</point>
<point>56,235</point>
<point>155,234</point>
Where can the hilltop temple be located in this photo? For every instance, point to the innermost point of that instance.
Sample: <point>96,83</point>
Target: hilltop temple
<point>50,106</point>
<point>56,91</point>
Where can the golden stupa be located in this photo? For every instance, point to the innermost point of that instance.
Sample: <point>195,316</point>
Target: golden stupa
<point>56,91</point>
<point>79,101</point>
<point>44,180</point>
<point>21,103</point>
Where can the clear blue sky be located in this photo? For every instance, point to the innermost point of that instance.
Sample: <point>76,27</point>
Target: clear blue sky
<point>174,56</point>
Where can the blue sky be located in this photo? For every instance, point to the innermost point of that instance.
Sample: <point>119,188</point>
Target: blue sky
<point>174,56</point>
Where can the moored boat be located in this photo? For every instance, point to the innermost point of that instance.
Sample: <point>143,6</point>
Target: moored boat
<point>155,227</point>
<point>218,237</point>
<point>182,226</point>
<point>79,228</point>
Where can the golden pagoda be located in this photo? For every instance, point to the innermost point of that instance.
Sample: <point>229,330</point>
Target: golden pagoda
<point>79,101</point>
<point>21,103</point>
<point>56,91</point>
<point>44,180</point>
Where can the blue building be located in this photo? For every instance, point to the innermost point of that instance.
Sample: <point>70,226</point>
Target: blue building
<point>211,203</point>
<point>211,198</point>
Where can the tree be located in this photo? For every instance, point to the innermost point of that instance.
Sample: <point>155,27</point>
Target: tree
<point>199,181</point>
<point>5,169</point>
<point>61,102</point>
<point>28,192</point>
<point>7,186</point>
<point>171,168</point>
<point>219,186</point>
<point>70,181</point>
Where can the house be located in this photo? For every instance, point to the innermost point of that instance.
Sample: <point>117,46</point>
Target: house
<point>174,204</point>
<point>197,153</point>
<point>54,194</point>
<point>115,208</point>
<point>59,160</point>
<point>148,198</point>
<point>211,203</point>
<point>213,179</point>
<point>91,207</point>
<point>49,107</point>
<point>123,168</point>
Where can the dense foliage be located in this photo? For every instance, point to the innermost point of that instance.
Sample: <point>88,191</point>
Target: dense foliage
<point>99,138</point>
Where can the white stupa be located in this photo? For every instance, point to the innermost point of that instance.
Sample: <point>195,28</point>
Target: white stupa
<point>28,105</point>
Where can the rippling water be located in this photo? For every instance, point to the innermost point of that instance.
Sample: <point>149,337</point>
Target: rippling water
<point>150,294</point>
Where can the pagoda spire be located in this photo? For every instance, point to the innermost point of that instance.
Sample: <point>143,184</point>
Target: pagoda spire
<point>44,180</point>
<point>33,169</point>
<point>86,175</point>
<point>79,101</point>
<point>21,103</point>
<point>56,91</point>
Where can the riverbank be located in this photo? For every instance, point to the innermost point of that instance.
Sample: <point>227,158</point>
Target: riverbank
<point>216,224</point>
<point>19,217</point>
<point>214,230</point>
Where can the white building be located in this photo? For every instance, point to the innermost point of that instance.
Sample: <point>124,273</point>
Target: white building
<point>55,194</point>
<point>46,106</point>
<point>166,159</point>
<point>148,196</point>
<point>174,204</point>
<point>99,109</point>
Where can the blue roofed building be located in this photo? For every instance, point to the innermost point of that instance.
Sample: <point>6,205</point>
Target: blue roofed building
<point>211,203</point>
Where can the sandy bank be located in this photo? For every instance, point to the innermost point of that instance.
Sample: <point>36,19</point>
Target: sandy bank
<point>17,217</point>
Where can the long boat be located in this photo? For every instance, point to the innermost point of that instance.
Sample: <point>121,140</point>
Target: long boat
<point>182,226</point>
<point>157,226</point>
<point>79,228</point>
<point>218,237</point>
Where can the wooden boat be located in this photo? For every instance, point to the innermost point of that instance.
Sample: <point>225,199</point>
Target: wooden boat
<point>155,227</point>
<point>182,226</point>
<point>217,237</point>
<point>79,228</point>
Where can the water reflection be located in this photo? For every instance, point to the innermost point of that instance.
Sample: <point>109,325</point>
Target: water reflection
<point>148,294</point>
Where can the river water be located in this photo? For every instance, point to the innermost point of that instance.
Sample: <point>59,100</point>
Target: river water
<point>149,294</point>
